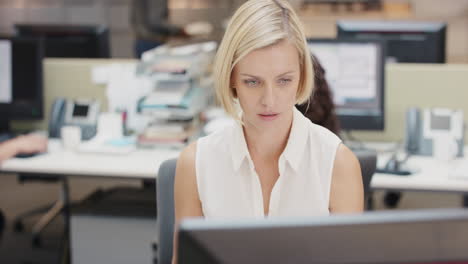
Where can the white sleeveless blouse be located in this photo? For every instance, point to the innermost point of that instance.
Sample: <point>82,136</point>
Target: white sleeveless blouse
<point>229,187</point>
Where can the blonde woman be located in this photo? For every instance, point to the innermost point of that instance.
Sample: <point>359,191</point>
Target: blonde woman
<point>274,162</point>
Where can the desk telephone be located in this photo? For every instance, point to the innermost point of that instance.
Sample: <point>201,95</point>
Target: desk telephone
<point>422,128</point>
<point>79,112</point>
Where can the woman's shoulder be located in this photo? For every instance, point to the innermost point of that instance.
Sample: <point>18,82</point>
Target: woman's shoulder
<point>188,155</point>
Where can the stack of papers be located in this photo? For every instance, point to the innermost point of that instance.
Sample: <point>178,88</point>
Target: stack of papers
<point>169,93</point>
<point>118,146</point>
<point>180,104</point>
<point>460,171</point>
<point>169,134</point>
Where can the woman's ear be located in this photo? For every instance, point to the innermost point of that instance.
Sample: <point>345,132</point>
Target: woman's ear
<point>233,83</point>
<point>234,91</point>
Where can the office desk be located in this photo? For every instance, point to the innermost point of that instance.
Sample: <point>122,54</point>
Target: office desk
<point>140,164</point>
<point>431,175</point>
<point>144,164</point>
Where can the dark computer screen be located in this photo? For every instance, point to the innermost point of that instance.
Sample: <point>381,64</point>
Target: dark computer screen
<point>391,237</point>
<point>69,41</point>
<point>407,41</point>
<point>354,70</point>
<point>80,110</point>
<point>21,92</point>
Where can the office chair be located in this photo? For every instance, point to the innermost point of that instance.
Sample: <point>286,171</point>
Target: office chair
<point>165,200</point>
<point>50,212</point>
<point>368,161</point>
<point>2,224</point>
<point>165,211</point>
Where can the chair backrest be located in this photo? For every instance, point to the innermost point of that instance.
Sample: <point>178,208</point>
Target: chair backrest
<point>2,224</point>
<point>165,210</point>
<point>165,200</point>
<point>368,161</point>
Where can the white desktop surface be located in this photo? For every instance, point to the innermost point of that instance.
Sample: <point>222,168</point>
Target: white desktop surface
<point>430,174</point>
<point>142,163</point>
<point>433,175</point>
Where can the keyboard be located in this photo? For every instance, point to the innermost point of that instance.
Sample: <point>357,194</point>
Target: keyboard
<point>29,155</point>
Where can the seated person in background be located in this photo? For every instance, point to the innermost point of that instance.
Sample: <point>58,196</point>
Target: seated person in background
<point>320,109</point>
<point>273,162</point>
<point>149,21</point>
<point>25,144</point>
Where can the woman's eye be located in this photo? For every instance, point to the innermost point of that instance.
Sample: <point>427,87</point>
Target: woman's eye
<point>284,81</point>
<point>251,82</point>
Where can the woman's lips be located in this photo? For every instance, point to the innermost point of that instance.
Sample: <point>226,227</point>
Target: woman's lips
<point>268,116</point>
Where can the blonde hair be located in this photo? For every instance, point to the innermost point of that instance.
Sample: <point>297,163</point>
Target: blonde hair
<point>258,24</point>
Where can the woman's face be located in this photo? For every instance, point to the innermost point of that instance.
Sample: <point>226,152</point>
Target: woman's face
<point>266,81</point>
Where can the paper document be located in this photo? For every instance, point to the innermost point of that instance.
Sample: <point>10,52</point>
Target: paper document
<point>124,89</point>
<point>460,171</point>
<point>107,147</point>
<point>109,137</point>
<point>168,93</point>
<point>100,74</point>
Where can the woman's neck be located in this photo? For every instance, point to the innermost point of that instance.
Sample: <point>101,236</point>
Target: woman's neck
<point>267,144</point>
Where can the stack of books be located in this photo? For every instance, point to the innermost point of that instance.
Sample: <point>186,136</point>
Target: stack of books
<point>168,134</point>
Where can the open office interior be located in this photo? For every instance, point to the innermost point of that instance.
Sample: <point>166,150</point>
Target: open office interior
<point>101,100</point>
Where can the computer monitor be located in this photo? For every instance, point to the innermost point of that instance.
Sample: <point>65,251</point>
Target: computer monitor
<point>354,70</point>
<point>69,41</point>
<point>407,41</point>
<point>390,237</point>
<point>21,92</point>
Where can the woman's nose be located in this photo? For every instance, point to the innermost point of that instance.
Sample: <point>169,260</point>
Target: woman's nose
<point>268,97</point>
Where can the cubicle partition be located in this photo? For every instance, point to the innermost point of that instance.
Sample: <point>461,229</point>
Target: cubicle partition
<point>419,85</point>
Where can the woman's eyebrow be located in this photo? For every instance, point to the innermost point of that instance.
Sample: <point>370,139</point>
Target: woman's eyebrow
<point>250,75</point>
<point>286,73</point>
<point>253,76</point>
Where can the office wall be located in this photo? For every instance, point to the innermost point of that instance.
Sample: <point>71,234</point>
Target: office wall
<point>318,22</point>
<point>407,85</point>
<point>112,13</point>
<point>420,85</point>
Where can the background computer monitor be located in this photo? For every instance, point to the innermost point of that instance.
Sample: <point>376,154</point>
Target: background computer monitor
<point>21,92</point>
<point>396,237</point>
<point>69,41</point>
<point>410,42</point>
<point>354,70</point>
